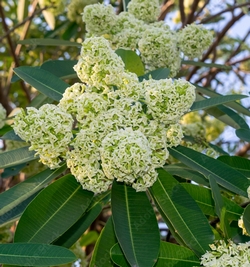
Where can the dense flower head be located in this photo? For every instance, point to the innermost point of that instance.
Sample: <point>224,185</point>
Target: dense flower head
<point>167,101</point>
<point>227,254</point>
<point>2,116</point>
<point>158,48</point>
<point>145,10</point>
<point>194,39</point>
<point>75,9</point>
<point>99,19</point>
<point>48,130</point>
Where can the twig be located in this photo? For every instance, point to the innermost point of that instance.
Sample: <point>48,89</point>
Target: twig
<point>182,12</point>
<point>190,18</point>
<point>165,8</point>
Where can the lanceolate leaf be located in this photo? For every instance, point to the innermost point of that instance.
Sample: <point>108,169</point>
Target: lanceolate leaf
<point>20,192</point>
<point>215,101</point>
<point>224,175</point>
<point>161,73</point>
<point>107,239</point>
<point>53,211</point>
<point>40,100</point>
<point>118,257</point>
<point>43,81</point>
<point>48,42</point>
<point>134,222</point>
<point>11,135</point>
<point>16,157</point>
<point>183,212</point>
<point>246,218</point>
<point>172,255</point>
<point>23,254</point>
<point>243,134</point>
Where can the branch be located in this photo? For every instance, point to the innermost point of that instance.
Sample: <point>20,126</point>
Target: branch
<point>182,12</point>
<point>191,16</point>
<point>165,8</point>
<point>202,8</point>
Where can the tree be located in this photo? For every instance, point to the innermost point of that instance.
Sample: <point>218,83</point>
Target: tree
<point>121,137</point>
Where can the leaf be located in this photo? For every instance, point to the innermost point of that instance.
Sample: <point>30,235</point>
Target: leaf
<point>43,81</point>
<point>61,68</point>
<point>17,194</point>
<point>11,135</point>
<point>172,255</point>
<point>125,4</point>
<point>16,157</point>
<point>22,10</point>
<point>5,129</point>
<point>134,222</point>
<point>246,218</point>
<point>207,65</point>
<point>182,212</point>
<point>131,60</point>
<point>48,42</point>
<point>234,105</point>
<point>224,175</point>
<point>69,238</point>
<point>243,134</point>
<point>215,101</point>
<point>203,197</point>
<point>161,73</point>
<point>240,164</point>
<point>40,100</point>
<point>53,211</point>
<point>118,257</point>
<point>89,238</point>
<point>106,240</point>
<point>236,234</point>
<point>185,172</point>
<point>11,171</point>
<point>35,254</point>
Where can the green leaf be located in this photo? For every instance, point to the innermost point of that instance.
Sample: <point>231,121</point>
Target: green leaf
<point>35,254</point>
<point>236,234</point>
<point>134,222</point>
<point>185,172</point>
<point>106,240</point>
<point>246,219</point>
<point>118,257</point>
<point>180,209</point>
<point>61,68</point>
<point>89,238</point>
<point>172,255</point>
<point>207,65</point>
<point>53,211</point>
<point>243,134</point>
<point>17,194</point>
<point>161,73</point>
<point>125,4</point>
<point>203,197</point>
<point>16,157</point>
<point>11,135</point>
<point>215,101</point>
<point>43,81</point>
<point>11,171</point>
<point>5,129</point>
<point>15,213</point>
<point>224,175</point>
<point>78,228</point>
<point>40,100</point>
<point>22,10</point>
<point>240,164</point>
<point>234,105</point>
<point>48,42</point>
<point>131,60</point>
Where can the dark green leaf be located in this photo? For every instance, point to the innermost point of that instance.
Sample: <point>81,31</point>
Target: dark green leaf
<point>240,164</point>
<point>106,240</point>
<point>20,192</point>
<point>207,65</point>
<point>180,209</point>
<point>11,135</point>
<point>5,129</point>
<point>48,42</point>
<point>34,254</point>
<point>53,211</point>
<point>43,81</point>
<point>16,157</point>
<point>11,171</point>
<point>118,257</point>
<point>246,219</point>
<point>236,234</point>
<point>243,134</point>
<point>131,60</point>
<point>40,100</point>
<point>161,73</point>
<point>215,101</point>
<point>224,175</point>
<point>134,222</point>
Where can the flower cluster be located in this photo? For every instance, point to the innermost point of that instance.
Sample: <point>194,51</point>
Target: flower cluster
<point>122,127</point>
<point>138,29</point>
<point>227,254</point>
<point>2,116</point>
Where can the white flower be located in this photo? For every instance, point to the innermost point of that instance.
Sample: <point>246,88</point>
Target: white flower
<point>174,135</point>
<point>158,48</point>
<point>126,156</point>
<point>99,19</point>
<point>194,39</point>
<point>48,130</point>
<point>2,116</point>
<point>167,101</point>
<point>146,10</point>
